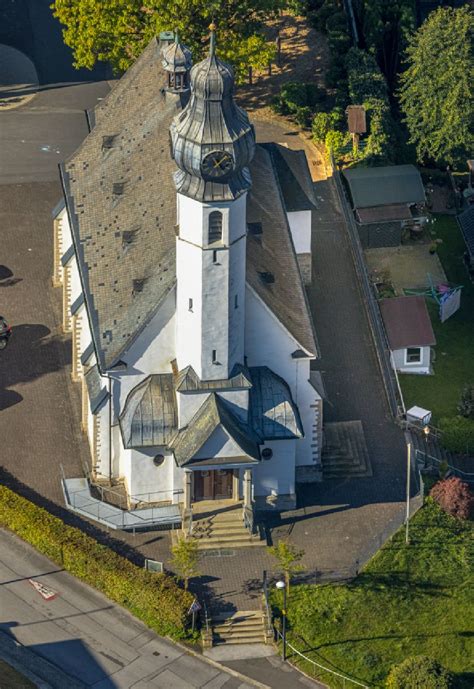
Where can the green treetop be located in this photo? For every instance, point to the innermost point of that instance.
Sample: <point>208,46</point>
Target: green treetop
<point>117,31</point>
<point>436,94</point>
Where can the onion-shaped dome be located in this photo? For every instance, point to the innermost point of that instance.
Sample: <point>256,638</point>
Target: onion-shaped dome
<point>213,141</point>
<point>177,57</point>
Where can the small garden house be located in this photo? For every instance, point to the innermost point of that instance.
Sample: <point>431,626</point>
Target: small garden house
<point>409,333</point>
<point>385,200</point>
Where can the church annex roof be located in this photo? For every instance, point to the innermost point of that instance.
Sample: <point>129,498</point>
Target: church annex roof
<point>150,416</point>
<point>121,202</point>
<point>189,381</point>
<point>273,414</point>
<point>294,177</point>
<point>213,412</point>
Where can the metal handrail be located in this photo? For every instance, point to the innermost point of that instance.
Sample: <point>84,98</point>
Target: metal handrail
<point>267,611</point>
<point>138,497</point>
<point>467,475</point>
<point>344,678</point>
<point>248,518</point>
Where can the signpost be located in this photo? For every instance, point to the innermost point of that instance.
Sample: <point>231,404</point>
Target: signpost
<point>195,607</point>
<point>153,566</point>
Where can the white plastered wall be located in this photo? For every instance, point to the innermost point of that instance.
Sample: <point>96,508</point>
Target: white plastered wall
<point>423,367</point>
<point>268,343</point>
<point>300,226</point>
<point>276,476</point>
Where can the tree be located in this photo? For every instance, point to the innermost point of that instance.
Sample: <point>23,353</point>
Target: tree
<point>436,95</point>
<point>117,31</point>
<point>185,559</point>
<point>419,672</point>
<point>454,497</point>
<point>466,403</point>
<point>288,558</point>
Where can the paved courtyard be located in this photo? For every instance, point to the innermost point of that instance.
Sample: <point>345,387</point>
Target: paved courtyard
<point>407,267</point>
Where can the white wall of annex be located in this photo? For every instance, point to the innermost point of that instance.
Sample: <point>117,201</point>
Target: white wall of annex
<point>300,226</point>
<point>276,476</point>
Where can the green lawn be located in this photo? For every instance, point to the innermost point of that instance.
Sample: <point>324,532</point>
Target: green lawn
<point>454,365</point>
<point>409,600</point>
<point>11,679</point>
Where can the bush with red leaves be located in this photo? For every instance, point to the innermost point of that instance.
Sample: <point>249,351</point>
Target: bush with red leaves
<point>454,497</point>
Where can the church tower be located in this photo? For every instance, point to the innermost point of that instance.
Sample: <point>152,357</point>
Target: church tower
<point>213,143</point>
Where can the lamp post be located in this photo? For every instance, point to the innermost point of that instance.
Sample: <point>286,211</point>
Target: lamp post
<point>426,433</point>
<point>281,586</point>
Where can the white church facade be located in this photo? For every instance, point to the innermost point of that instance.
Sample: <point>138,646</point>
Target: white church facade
<point>182,248</point>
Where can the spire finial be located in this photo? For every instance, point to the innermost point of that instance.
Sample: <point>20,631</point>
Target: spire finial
<point>212,45</point>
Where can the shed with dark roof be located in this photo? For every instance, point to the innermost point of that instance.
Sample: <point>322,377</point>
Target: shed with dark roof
<point>409,332</point>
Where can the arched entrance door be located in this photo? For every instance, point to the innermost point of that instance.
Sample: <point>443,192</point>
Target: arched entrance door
<point>213,484</point>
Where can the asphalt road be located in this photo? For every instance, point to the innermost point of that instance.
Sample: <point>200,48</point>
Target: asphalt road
<point>81,639</point>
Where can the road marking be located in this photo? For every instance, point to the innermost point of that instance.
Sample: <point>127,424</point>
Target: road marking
<point>44,591</point>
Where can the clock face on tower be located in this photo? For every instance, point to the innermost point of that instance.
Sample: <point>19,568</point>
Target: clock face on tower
<point>217,164</point>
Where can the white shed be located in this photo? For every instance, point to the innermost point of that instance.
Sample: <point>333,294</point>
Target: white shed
<point>409,332</point>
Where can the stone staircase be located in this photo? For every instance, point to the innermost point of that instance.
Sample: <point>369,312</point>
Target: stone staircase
<point>239,628</point>
<point>222,527</point>
<point>344,452</point>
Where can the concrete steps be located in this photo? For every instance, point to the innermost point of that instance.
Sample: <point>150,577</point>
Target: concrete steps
<point>223,529</point>
<point>344,452</point>
<point>239,628</point>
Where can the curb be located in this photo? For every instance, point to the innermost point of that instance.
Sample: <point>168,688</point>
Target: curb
<point>220,667</point>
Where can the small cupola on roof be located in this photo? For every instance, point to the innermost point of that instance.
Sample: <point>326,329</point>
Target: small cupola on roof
<point>177,62</point>
<point>212,139</point>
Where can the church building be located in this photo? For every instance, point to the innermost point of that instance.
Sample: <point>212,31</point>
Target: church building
<point>182,248</point>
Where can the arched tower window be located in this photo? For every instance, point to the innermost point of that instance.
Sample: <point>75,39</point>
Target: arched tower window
<point>215,227</point>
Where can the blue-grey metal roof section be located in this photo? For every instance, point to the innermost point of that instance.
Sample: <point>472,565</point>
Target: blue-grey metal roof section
<point>150,416</point>
<point>77,303</point>
<point>98,393</point>
<point>177,57</point>
<point>214,412</point>
<point>87,353</point>
<point>212,121</point>
<point>60,206</point>
<point>66,257</point>
<point>273,413</point>
<point>189,381</point>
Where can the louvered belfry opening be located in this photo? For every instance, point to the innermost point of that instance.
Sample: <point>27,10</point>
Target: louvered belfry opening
<point>215,227</point>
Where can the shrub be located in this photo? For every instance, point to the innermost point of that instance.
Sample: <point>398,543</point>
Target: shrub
<point>299,99</point>
<point>324,122</point>
<point>458,434</point>
<point>454,497</point>
<point>419,672</point>
<point>288,558</point>
<point>336,143</point>
<point>153,598</point>
<point>466,403</point>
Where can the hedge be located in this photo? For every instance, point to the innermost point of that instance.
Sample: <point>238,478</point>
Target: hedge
<point>153,598</point>
<point>457,434</point>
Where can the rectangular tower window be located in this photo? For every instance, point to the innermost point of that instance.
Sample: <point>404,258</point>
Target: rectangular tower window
<point>214,356</point>
<point>236,301</point>
<point>214,256</point>
<point>190,308</point>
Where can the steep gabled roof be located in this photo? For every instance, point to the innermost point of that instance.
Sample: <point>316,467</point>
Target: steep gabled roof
<point>188,380</point>
<point>214,412</point>
<point>377,186</point>
<point>294,177</point>
<point>273,414</point>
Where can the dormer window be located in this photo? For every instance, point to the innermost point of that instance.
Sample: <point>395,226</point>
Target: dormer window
<point>215,227</point>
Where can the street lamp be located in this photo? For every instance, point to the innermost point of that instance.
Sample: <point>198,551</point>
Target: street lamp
<point>426,433</point>
<point>281,586</point>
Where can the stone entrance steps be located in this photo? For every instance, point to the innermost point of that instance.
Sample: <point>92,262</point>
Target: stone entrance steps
<point>223,529</point>
<point>239,628</point>
<point>344,452</point>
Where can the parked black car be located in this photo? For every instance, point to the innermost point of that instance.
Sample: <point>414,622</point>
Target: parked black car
<point>5,332</point>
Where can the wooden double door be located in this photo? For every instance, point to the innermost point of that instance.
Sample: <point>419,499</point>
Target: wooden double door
<point>214,484</point>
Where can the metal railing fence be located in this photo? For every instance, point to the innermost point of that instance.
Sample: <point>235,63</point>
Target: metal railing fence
<point>346,681</point>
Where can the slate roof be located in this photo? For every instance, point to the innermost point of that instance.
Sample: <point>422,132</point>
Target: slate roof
<point>466,223</point>
<point>407,322</point>
<point>188,381</point>
<point>294,177</point>
<point>150,415</point>
<point>213,412</point>
<point>121,202</point>
<point>273,252</point>
<point>273,414</point>
<point>378,186</point>
<point>96,389</point>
